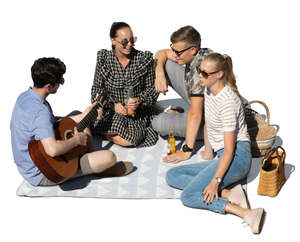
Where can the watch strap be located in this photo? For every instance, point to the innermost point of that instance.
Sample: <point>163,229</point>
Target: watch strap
<point>185,148</point>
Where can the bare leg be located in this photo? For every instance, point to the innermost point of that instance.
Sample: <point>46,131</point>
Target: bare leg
<point>232,208</point>
<point>101,160</point>
<point>236,210</point>
<point>116,139</point>
<point>104,161</point>
<point>225,193</point>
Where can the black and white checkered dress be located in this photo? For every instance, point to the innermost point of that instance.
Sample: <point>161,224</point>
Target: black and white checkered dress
<point>112,78</point>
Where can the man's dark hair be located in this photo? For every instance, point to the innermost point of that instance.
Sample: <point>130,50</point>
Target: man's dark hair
<point>47,71</point>
<point>187,34</point>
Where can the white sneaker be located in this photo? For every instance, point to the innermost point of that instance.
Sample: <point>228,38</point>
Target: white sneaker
<point>254,220</point>
<point>238,197</point>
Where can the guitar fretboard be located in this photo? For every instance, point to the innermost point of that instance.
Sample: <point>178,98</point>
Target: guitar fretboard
<point>87,120</point>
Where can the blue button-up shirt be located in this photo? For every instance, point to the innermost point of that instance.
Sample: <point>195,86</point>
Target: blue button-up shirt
<point>32,118</point>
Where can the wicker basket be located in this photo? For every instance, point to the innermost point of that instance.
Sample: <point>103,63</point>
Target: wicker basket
<point>262,134</point>
<point>272,175</point>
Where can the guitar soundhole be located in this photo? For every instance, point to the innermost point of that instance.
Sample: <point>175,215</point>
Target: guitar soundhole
<point>69,134</point>
<point>64,158</point>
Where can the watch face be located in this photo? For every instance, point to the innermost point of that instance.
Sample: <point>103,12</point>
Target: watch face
<point>185,148</point>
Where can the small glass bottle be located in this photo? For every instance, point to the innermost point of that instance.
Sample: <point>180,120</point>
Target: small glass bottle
<point>130,96</point>
<point>171,143</point>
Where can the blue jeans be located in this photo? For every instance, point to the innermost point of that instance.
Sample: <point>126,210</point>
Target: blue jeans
<point>194,178</point>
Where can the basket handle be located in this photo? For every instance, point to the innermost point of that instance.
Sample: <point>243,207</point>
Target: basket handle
<point>264,105</point>
<point>280,158</point>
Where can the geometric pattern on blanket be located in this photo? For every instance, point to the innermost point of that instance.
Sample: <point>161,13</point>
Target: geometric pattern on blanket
<point>147,180</point>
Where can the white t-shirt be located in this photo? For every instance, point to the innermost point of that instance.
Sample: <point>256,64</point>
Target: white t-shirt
<point>224,113</point>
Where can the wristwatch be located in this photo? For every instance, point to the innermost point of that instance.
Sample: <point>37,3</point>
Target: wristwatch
<point>185,148</point>
<point>218,179</point>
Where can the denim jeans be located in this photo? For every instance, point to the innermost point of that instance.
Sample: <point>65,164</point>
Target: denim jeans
<point>194,178</point>
<point>164,123</point>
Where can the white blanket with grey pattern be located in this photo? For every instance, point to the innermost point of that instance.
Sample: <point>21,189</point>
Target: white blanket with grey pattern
<point>147,180</point>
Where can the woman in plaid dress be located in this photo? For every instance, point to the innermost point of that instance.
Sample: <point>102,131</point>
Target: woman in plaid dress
<point>116,70</point>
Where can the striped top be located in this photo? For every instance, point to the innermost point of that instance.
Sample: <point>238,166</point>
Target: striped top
<point>224,113</point>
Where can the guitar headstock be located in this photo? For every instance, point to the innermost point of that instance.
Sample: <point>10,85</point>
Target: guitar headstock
<point>102,99</point>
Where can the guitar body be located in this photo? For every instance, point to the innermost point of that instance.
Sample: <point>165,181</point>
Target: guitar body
<point>60,167</point>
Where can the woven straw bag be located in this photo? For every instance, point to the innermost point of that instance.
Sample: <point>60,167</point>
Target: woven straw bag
<point>272,175</point>
<point>262,134</point>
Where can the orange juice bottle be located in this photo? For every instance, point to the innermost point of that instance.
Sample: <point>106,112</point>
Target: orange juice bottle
<point>171,143</point>
<point>130,96</point>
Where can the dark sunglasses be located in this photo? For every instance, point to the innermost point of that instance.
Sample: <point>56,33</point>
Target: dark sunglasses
<point>204,73</point>
<point>179,52</point>
<point>61,81</point>
<point>125,42</point>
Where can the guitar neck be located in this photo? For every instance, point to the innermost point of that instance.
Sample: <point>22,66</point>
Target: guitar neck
<point>88,119</point>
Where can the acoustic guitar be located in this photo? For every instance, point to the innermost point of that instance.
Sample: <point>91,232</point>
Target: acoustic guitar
<point>63,166</point>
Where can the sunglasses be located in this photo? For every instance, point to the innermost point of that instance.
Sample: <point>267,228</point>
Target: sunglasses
<point>179,52</point>
<point>61,81</point>
<point>125,42</point>
<point>204,73</point>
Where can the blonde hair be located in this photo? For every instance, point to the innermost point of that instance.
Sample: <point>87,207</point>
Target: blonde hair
<point>224,63</point>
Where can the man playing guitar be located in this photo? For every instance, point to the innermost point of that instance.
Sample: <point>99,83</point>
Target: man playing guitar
<point>32,119</point>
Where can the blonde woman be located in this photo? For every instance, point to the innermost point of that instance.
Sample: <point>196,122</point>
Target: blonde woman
<point>204,184</point>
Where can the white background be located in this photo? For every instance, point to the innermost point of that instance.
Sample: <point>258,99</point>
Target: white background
<point>262,37</point>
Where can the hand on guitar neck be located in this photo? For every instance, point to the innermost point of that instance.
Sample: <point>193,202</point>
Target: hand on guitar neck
<point>79,117</point>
